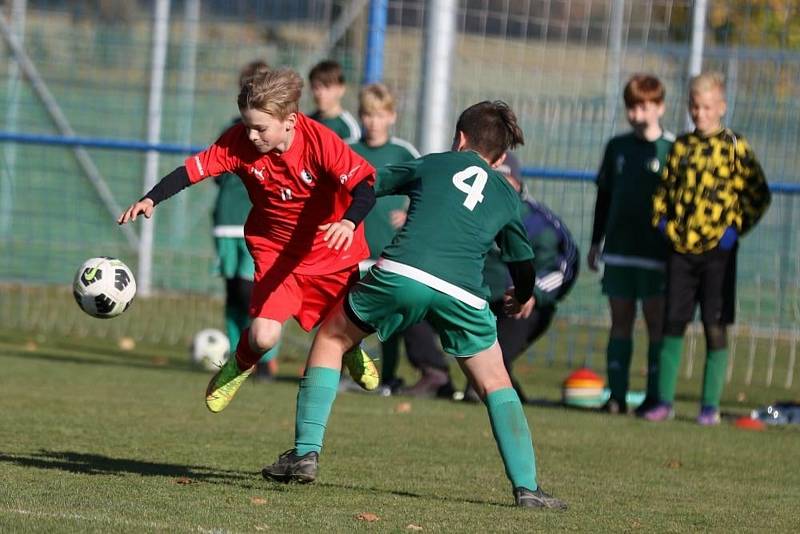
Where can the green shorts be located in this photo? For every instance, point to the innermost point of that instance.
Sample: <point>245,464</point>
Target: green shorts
<point>233,258</point>
<point>391,303</point>
<point>625,282</point>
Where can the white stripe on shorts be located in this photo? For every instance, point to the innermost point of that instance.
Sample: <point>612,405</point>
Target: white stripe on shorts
<point>431,281</point>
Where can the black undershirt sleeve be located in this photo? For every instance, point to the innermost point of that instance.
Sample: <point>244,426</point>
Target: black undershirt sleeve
<point>363,201</point>
<point>169,185</point>
<point>600,215</point>
<point>523,276</point>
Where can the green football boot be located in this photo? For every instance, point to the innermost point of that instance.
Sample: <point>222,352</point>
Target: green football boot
<point>361,368</point>
<point>224,385</point>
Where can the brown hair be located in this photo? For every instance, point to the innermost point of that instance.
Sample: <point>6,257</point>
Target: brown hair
<point>642,88</point>
<point>375,97</point>
<point>490,128</point>
<point>708,81</point>
<point>251,69</point>
<point>327,72</point>
<point>275,92</point>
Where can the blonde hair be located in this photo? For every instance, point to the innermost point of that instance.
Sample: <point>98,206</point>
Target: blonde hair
<point>251,69</point>
<point>375,97</point>
<point>708,81</point>
<point>275,92</point>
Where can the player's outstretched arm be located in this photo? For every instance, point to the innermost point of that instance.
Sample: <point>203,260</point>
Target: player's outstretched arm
<point>144,207</point>
<point>169,185</point>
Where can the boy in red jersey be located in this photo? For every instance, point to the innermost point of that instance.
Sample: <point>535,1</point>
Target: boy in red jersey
<point>309,191</point>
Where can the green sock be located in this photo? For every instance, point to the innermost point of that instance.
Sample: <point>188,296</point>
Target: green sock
<point>618,366</point>
<point>510,429</point>
<point>653,355</point>
<point>314,401</point>
<point>714,376</point>
<point>669,363</point>
<point>390,356</point>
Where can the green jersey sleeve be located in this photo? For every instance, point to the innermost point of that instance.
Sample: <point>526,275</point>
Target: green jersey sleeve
<point>394,179</point>
<point>513,242</point>
<point>605,173</point>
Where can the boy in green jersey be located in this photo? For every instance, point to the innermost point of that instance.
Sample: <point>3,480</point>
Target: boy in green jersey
<point>459,206</point>
<point>328,88</point>
<point>380,148</point>
<point>634,252</point>
<point>712,191</point>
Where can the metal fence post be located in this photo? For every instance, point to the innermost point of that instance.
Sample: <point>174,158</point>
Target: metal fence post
<point>440,34</point>
<point>376,31</point>
<point>698,42</point>
<point>7,173</point>
<point>154,107</point>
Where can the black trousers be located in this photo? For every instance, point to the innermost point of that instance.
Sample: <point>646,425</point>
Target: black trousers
<point>516,335</point>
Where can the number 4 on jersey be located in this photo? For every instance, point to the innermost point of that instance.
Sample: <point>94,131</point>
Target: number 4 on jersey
<point>474,191</point>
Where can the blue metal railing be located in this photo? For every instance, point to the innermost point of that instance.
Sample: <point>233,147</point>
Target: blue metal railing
<point>547,173</point>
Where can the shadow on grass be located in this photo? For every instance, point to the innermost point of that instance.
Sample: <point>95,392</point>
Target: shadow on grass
<point>98,464</point>
<point>130,360</point>
<point>115,360</point>
<point>412,494</point>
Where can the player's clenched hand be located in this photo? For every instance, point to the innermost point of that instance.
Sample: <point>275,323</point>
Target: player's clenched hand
<point>144,206</point>
<point>514,309</point>
<point>339,235</point>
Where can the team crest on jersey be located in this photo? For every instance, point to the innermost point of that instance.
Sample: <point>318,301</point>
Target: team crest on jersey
<point>306,176</point>
<point>654,165</point>
<point>344,177</point>
<point>620,163</point>
<point>258,173</point>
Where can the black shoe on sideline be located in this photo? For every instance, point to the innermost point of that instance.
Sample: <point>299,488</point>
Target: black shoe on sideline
<point>614,407</point>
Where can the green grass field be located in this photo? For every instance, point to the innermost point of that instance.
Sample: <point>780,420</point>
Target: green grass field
<point>96,439</point>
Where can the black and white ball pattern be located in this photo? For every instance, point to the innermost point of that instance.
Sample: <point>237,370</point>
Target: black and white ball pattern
<point>104,287</point>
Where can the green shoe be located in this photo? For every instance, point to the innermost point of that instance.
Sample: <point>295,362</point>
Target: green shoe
<point>224,385</point>
<point>361,368</point>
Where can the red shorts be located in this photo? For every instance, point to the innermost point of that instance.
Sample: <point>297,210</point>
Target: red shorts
<point>306,297</point>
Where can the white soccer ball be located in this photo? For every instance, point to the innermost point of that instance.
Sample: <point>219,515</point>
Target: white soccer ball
<point>104,287</point>
<point>210,349</point>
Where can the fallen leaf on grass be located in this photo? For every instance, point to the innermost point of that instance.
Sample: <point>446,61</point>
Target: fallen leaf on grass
<point>126,343</point>
<point>258,500</point>
<point>403,407</point>
<point>368,517</point>
<point>674,464</point>
<point>184,481</point>
<point>412,526</point>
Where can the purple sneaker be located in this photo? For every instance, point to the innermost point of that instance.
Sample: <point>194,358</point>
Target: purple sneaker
<point>709,416</point>
<point>660,412</point>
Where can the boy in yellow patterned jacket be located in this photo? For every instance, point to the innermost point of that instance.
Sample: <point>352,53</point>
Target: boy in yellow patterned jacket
<point>713,191</point>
